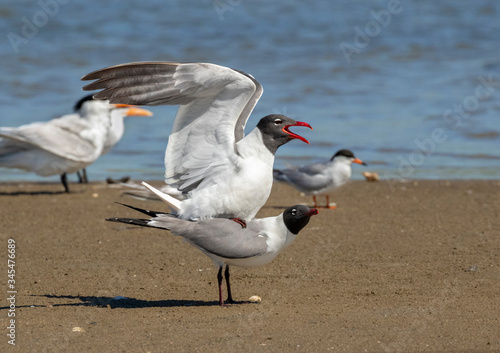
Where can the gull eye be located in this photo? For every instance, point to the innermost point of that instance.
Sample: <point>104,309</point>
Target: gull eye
<point>294,212</point>
<point>278,122</point>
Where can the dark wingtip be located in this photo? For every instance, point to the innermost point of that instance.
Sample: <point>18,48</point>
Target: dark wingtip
<point>134,221</point>
<point>94,75</point>
<point>147,212</point>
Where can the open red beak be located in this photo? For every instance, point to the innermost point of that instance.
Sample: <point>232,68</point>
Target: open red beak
<point>312,212</point>
<point>295,136</point>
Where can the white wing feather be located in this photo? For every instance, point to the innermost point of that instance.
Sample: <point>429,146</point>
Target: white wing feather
<point>215,103</point>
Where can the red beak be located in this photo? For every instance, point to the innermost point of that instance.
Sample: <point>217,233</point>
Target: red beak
<point>312,212</point>
<point>295,136</point>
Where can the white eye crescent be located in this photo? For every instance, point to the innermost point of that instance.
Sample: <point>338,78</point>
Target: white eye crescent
<point>278,122</point>
<point>294,212</point>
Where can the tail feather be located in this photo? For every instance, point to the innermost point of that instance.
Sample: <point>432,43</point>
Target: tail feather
<point>158,219</point>
<point>135,221</point>
<point>147,212</point>
<point>139,192</point>
<point>165,222</point>
<point>173,203</point>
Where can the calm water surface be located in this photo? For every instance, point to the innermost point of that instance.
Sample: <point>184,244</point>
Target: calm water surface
<point>412,87</point>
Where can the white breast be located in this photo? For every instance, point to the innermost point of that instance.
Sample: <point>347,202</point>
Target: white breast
<point>240,193</point>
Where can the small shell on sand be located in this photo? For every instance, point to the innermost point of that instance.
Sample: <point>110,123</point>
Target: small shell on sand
<point>254,299</point>
<point>77,329</point>
<point>371,176</point>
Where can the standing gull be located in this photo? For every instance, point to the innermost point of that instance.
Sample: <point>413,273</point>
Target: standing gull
<point>319,178</point>
<point>226,243</point>
<point>222,172</point>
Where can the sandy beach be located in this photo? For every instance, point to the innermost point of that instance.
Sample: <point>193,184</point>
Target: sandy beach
<point>397,267</point>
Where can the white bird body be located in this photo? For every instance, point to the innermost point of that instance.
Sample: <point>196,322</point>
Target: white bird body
<point>320,178</point>
<point>222,172</point>
<point>226,197</point>
<point>62,145</point>
<point>66,144</point>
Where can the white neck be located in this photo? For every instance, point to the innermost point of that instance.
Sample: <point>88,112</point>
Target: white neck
<point>252,145</point>
<point>341,170</point>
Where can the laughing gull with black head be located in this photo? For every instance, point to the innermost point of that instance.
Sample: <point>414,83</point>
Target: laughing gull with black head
<point>319,178</point>
<point>222,172</point>
<point>226,242</point>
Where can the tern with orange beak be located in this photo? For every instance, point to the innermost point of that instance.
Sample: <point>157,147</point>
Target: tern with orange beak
<point>66,144</point>
<point>319,178</point>
<point>222,172</point>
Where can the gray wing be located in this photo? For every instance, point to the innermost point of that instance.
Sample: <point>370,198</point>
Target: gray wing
<point>313,169</point>
<point>57,136</point>
<point>218,236</point>
<point>308,178</point>
<point>215,103</point>
<point>226,238</point>
<point>252,102</point>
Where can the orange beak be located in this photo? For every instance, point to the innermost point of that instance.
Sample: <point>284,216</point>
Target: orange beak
<point>359,161</point>
<point>133,110</point>
<point>138,112</point>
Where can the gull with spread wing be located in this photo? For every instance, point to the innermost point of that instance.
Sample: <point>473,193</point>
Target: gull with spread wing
<point>223,172</point>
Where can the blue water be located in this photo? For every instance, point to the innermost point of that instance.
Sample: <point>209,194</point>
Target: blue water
<point>382,89</point>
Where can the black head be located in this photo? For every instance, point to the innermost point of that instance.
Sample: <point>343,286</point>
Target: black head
<point>79,104</point>
<point>348,154</point>
<point>297,217</point>
<point>275,130</point>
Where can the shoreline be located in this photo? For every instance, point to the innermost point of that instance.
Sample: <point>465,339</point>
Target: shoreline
<point>396,267</point>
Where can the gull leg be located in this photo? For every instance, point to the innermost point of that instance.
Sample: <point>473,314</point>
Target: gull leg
<point>64,181</point>
<point>328,203</point>
<point>84,176</point>
<point>229,296</point>
<point>315,203</point>
<point>219,280</point>
<point>79,175</point>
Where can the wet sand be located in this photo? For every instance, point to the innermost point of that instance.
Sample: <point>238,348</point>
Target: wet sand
<point>397,267</point>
